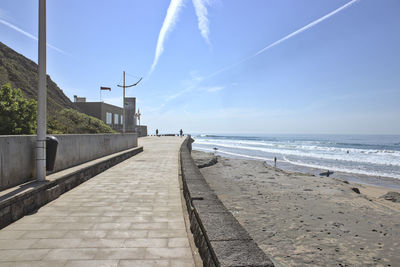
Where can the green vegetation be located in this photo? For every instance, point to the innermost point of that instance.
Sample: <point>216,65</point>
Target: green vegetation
<point>17,114</point>
<point>69,121</point>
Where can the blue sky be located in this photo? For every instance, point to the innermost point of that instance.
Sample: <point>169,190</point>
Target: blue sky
<point>338,76</point>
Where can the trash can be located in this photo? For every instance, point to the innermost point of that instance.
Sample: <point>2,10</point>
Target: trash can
<point>51,152</point>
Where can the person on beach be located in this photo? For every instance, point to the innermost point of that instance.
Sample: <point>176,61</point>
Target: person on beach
<point>157,132</point>
<point>275,162</point>
<point>181,133</point>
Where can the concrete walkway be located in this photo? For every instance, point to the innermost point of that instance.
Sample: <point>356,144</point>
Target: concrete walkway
<point>129,215</point>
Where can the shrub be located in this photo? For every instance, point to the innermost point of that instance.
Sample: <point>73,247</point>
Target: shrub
<point>17,114</point>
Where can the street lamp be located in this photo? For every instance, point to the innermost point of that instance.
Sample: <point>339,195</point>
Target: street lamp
<point>123,109</point>
<point>42,95</point>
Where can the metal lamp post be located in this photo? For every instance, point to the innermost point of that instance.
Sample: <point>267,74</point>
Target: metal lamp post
<point>123,108</point>
<point>42,95</point>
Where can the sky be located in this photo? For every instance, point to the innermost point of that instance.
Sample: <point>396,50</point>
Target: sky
<point>222,66</point>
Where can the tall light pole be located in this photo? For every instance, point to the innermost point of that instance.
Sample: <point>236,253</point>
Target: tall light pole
<point>123,108</point>
<point>42,95</point>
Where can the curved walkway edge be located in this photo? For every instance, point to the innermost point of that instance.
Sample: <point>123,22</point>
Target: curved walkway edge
<point>221,240</point>
<point>128,215</point>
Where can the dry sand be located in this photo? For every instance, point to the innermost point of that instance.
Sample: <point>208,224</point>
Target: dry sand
<point>302,220</point>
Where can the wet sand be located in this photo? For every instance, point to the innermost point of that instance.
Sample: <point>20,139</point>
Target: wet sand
<point>300,219</point>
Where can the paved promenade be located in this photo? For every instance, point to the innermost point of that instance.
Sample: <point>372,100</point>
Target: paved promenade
<point>129,215</point>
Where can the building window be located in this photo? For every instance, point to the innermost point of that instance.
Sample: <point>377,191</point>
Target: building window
<point>122,119</point>
<point>108,118</point>
<point>115,118</point>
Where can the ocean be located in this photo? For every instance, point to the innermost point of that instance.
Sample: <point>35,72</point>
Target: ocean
<point>368,159</point>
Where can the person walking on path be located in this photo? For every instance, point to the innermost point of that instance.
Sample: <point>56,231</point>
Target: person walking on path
<point>157,132</point>
<point>181,133</point>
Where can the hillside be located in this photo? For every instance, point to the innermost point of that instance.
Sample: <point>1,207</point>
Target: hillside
<point>62,115</point>
<point>22,73</point>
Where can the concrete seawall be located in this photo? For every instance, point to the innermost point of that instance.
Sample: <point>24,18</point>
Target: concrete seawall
<point>221,240</point>
<point>17,153</point>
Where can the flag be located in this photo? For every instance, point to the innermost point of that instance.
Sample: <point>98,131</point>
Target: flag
<point>105,88</point>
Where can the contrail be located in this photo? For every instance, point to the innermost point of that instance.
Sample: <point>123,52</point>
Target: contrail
<point>201,13</point>
<point>168,24</point>
<point>308,26</point>
<point>27,34</point>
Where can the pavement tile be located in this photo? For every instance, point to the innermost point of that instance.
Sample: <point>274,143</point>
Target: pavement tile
<point>29,226</point>
<point>44,234</point>
<point>144,263</point>
<point>167,233</point>
<point>146,242</point>
<point>176,225</point>
<point>56,243</point>
<point>129,215</point>
<point>16,244</point>
<point>181,263</point>
<point>178,242</point>
<point>31,219</point>
<point>120,253</point>
<point>22,254</point>
<point>72,226</point>
<point>149,225</point>
<point>10,234</point>
<point>85,234</point>
<point>127,233</point>
<point>91,263</point>
<point>168,253</point>
<point>32,263</point>
<point>71,254</point>
<point>102,243</point>
<point>111,226</point>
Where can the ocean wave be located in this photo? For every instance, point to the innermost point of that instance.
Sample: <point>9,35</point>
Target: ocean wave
<point>236,154</point>
<point>380,157</point>
<point>311,145</point>
<point>339,169</point>
<point>308,165</point>
<point>228,137</point>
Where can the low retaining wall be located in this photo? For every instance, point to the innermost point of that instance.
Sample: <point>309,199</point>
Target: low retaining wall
<point>14,205</point>
<point>141,130</point>
<point>221,240</point>
<point>18,158</point>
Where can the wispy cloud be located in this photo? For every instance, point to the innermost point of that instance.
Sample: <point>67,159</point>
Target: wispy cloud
<point>212,89</point>
<point>4,14</point>
<point>194,88</point>
<point>197,80</point>
<point>186,90</point>
<point>308,26</point>
<point>189,85</point>
<point>201,12</point>
<point>169,22</point>
<point>27,34</point>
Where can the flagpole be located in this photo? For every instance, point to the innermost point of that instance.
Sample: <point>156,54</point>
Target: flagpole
<point>104,88</point>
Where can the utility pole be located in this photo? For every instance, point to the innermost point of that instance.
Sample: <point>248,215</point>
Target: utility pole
<point>42,96</point>
<point>123,112</point>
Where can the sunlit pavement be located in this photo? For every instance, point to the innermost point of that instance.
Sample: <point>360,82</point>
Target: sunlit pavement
<point>129,215</point>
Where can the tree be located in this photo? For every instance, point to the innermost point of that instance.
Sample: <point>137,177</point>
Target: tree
<point>17,114</point>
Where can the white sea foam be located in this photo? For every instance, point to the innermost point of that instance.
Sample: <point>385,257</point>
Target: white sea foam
<point>379,157</point>
<point>235,154</point>
<point>303,164</point>
<point>348,170</point>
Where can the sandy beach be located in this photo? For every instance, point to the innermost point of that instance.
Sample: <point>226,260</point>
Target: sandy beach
<point>299,219</point>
